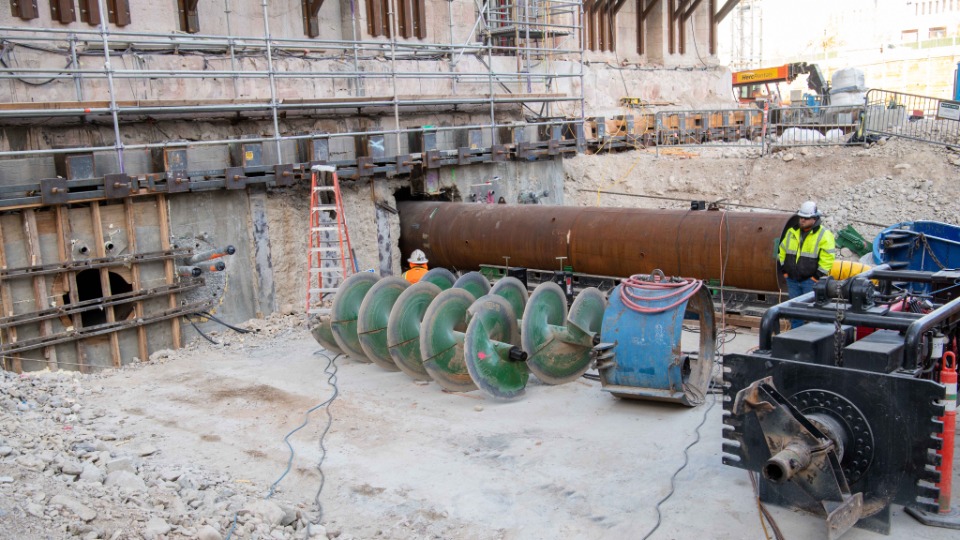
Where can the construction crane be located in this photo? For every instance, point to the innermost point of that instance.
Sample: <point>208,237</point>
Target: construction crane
<point>759,85</point>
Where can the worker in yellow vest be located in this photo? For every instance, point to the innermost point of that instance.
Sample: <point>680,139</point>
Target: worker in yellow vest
<point>807,252</point>
<point>418,266</point>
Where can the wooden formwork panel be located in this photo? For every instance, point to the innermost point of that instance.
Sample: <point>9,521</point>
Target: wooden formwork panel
<point>67,236</point>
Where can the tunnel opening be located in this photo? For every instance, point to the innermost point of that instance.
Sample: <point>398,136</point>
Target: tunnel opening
<point>89,288</point>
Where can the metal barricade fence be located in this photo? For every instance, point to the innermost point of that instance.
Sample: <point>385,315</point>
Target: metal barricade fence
<point>812,125</point>
<point>709,127</point>
<point>920,118</point>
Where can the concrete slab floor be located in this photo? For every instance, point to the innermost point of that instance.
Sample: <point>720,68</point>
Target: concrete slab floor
<point>406,460</point>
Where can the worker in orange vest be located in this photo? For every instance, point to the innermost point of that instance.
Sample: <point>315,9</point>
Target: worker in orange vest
<point>418,266</point>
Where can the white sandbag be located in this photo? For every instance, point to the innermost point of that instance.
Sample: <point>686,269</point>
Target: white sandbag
<point>847,99</point>
<point>848,80</point>
<point>835,135</point>
<point>799,135</point>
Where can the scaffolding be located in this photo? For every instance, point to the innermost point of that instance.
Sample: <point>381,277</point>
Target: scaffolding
<point>122,77</point>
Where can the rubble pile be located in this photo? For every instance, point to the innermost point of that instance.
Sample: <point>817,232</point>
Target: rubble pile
<point>65,473</point>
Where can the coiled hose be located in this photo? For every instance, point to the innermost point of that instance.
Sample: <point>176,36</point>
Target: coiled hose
<point>634,291</point>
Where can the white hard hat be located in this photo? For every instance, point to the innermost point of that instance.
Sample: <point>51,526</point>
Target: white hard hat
<point>417,257</point>
<point>808,210</point>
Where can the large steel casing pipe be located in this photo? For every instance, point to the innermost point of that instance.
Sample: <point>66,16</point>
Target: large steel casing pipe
<point>602,241</point>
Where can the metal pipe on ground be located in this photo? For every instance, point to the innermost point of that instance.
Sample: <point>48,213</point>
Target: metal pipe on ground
<point>739,247</point>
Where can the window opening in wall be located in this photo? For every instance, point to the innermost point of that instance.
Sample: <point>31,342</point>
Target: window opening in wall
<point>24,9</point>
<point>938,32</point>
<point>88,288</point>
<point>908,36</point>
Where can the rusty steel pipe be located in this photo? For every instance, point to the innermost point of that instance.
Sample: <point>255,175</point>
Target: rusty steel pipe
<point>616,242</point>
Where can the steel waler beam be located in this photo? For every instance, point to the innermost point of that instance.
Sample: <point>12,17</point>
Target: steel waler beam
<point>738,246</point>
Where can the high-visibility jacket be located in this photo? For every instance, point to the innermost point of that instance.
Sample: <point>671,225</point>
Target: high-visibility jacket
<point>805,255</point>
<point>415,272</point>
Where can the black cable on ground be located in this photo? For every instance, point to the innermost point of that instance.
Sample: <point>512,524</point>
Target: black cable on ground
<point>199,331</point>
<point>332,381</point>
<point>686,459</point>
<point>208,315</point>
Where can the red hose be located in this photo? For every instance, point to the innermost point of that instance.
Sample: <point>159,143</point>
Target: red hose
<point>632,296</point>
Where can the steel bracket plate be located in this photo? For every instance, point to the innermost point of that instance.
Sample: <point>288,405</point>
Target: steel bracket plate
<point>433,159</point>
<point>117,186</point>
<point>53,190</point>
<point>553,147</point>
<point>526,151</point>
<point>233,178</point>
<point>498,153</point>
<point>463,156</point>
<point>177,182</point>
<point>404,164</point>
<point>283,175</point>
<point>365,166</point>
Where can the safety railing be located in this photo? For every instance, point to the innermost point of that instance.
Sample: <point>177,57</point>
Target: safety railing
<point>709,127</point>
<point>754,127</point>
<point>921,118</point>
<point>812,125</point>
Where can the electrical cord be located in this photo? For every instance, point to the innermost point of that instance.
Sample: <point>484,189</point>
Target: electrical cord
<point>199,331</point>
<point>5,53</point>
<point>208,315</point>
<point>686,460</point>
<point>331,381</point>
<point>777,533</point>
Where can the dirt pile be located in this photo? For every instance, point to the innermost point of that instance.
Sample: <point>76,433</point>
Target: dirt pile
<point>70,470</point>
<point>868,187</point>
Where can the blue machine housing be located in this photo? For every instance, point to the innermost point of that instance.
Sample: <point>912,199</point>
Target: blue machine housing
<point>647,360</point>
<point>928,246</point>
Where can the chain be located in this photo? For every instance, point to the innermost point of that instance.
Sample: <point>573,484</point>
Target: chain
<point>838,335</point>
<point>921,240</point>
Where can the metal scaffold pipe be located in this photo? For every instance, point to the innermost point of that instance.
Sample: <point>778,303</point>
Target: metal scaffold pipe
<point>739,247</point>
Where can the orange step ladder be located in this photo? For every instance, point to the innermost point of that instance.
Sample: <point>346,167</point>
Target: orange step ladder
<point>329,255</point>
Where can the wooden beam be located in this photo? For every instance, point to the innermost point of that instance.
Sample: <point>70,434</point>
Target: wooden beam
<point>405,18</point>
<point>135,276</point>
<point>168,265</point>
<point>39,283</point>
<point>642,14</point>
<point>649,8</point>
<point>611,25</point>
<point>24,9</point>
<point>421,18</point>
<point>105,281</point>
<point>64,233</point>
<point>189,19</point>
<point>118,12</point>
<point>6,300</point>
<point>681,27</point>
<point>726,9</point>
<point>62,11</point>
<point>713,27</point>
<point>90,12</point>
<point>311,19</point>
<point>689,11</point>
<point>672,26</point>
